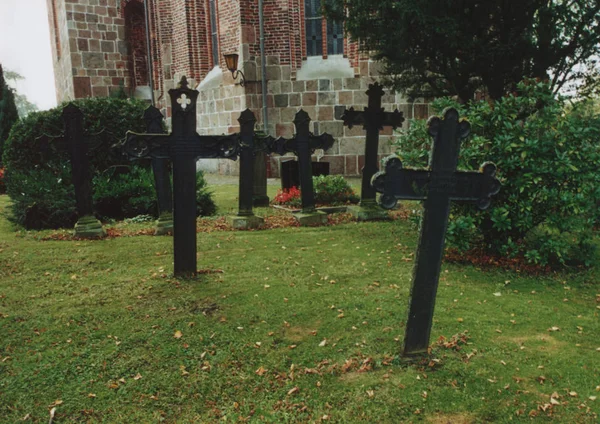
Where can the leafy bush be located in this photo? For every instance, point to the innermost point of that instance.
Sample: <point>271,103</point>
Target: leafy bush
<point>42,198</point>
<point>38,170</point>
<point>547,162</point>
<point>333,190</point>
<point>205,204</point>
<point>122,192</point>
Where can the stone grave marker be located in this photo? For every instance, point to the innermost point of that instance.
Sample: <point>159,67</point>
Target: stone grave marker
<point>437,186</point>
<point>303,145</point>
<point>183,147</point>
<point>87,225</point>
<point>162,175</point>
<point>373,119</point>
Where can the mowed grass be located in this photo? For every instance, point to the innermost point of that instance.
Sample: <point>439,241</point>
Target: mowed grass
<point>301,325</point>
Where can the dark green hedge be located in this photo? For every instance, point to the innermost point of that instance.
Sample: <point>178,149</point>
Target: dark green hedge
<point>38,172</point>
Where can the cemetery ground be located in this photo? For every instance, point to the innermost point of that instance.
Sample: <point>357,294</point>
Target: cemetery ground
<point>284,325</point>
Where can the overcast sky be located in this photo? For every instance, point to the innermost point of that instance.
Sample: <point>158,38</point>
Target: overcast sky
<point>25,48</point>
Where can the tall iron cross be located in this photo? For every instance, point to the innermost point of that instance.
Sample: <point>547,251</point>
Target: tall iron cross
<point>80,163</point>
<point>437,186</point>
<point>373,119</point>
<point>183,147</point>
<point>303,145</point>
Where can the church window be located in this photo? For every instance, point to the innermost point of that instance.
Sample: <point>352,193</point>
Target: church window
<point>135,27</point>
<point>314,28</point>
<point>214,33</point>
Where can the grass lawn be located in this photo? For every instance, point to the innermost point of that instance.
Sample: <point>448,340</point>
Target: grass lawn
<point>301,325</point>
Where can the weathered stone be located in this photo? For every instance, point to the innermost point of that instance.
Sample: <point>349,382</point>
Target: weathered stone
<point>311,219</point>
<point>326,98</point>
<point>281,100</point>
<point>93,60</point>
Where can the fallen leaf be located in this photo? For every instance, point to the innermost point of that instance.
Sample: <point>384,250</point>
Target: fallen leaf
<point>260,371</point>
<point>323,343</point>
<point>573,394</point>
<point>137,376</point>
<point>178,334</point>
<point>293,390</point>
<point>370,393</point>
<point>554,329</point>
<point>91,395</point>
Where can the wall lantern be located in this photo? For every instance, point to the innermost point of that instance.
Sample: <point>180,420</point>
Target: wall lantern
<point>232,63</point>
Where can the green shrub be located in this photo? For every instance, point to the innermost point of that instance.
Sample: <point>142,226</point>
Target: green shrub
<point>333,190</point>
<point>547,162</point>
<point>41,198</point>
<point>124,192</point>
<point>205,204</point>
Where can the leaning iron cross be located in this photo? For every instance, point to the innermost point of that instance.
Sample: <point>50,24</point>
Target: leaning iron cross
<point>437,186</point>
<point>373,119</point>
<point>183,147</point>
<point>303,145</point>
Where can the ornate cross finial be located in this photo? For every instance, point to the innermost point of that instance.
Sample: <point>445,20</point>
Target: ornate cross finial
<point>183,84</point>
<point>184,101</point>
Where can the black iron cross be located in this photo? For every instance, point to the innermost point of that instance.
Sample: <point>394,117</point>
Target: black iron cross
<point>80,163</point>
<point>373,119</point>
<point>183,147</point>
<point>437,186</point>
<point>303,145</point>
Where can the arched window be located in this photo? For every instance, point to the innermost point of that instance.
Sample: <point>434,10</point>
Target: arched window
<point>214,32</point>
<point>135,34</point>
<point>314,28</point>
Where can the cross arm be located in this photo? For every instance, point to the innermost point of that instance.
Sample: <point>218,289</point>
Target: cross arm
<point>137,146</point>
<point>281,145</point>
<point>378,117</point>
<point>208,146</point>
<point>397,183</point>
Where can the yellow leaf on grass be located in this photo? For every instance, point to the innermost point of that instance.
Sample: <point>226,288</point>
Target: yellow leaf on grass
<point>261,371</point>
<point>137,376</point>
<point>178,334</point>
<point>293,390</point>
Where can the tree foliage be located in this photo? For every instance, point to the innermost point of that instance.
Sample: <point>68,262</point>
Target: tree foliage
<point>8,111</point>
<point>455,47</point>
<point>24,106</point>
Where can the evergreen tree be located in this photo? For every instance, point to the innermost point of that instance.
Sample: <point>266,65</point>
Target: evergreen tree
<point>8,111</point>
<point>456,47</point>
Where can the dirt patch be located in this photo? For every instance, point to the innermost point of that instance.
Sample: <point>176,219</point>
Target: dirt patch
<point>299,334</point>
<point>541,341</point>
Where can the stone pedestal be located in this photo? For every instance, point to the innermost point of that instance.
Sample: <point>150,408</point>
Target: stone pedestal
<point>164,224</point>
<point>369,212</point>
<point>311,218</point>
<point>89,227</point>
<point>245,222</point>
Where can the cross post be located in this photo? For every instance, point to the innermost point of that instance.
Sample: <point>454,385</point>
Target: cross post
<point>183,147</point>
<point>87,225</point>
<point>437,186</point>
<point>303,145</point>
<point>162,180</point>
<point>373,119</point>
<point>245,218</point>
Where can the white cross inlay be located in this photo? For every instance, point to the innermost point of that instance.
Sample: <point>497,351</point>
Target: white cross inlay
<point>184,101</point>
